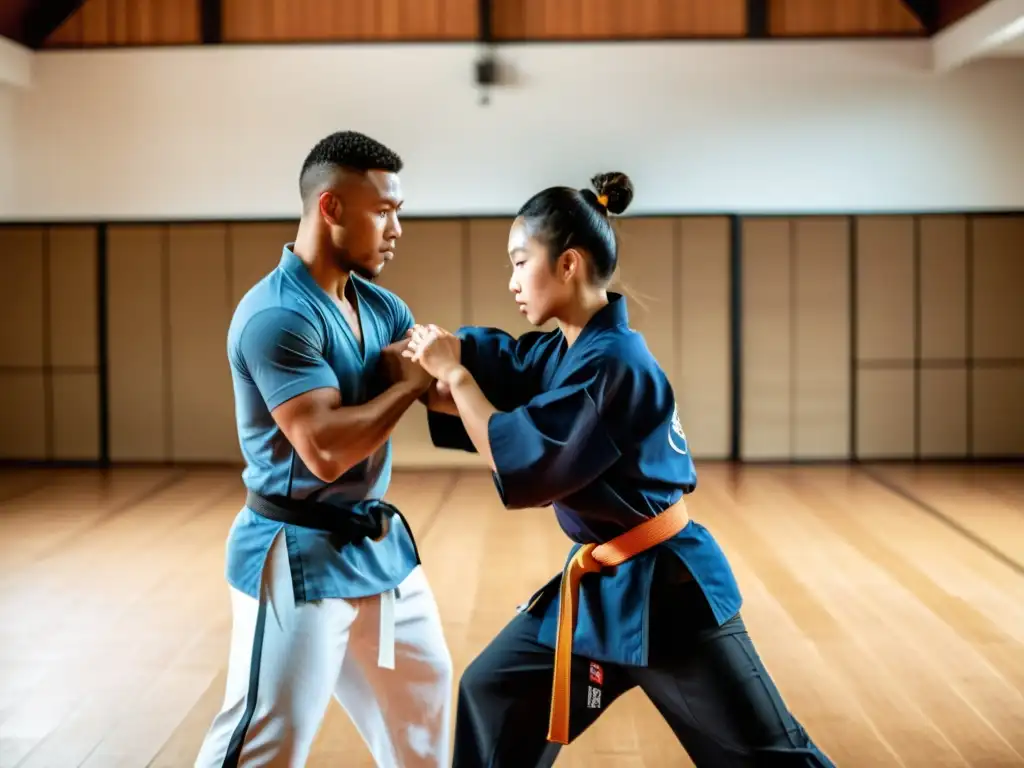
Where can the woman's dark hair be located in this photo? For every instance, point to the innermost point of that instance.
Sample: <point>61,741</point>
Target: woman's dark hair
<point>563,218</point>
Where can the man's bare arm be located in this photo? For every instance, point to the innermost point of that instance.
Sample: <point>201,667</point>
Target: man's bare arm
<point>331,438</point>
<point>282,352</point>
<point>436,401</point>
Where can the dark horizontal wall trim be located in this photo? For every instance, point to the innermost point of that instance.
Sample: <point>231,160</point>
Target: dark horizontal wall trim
<point>46,368</point>
<point>687,214</point>
<point>98,463</point>
<point>50,464</point>
<point>1008,211</point>
<point>55,224</point>
<point>941,365</point>
<point>908,461</point>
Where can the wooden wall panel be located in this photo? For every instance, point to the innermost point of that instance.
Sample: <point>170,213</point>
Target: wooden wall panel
<point>997,282</point>
<point>428,273</point>
<point>646,276</point>
<point>22,310</point>
<point>49,373</point>
<point>338,20</point>
<point>997,343</point>
<point>998,412</point>
<point>702,376</point>
<point>72,304</point>
<point>943,249</point>
<point>821,351</point>
<point>488,272</point>
<point>129,22</point>
<point>885,414</point>
<point>76,415</point>
<point>253,251</point>
<point>841,17</point>
<point>886,336</point>
<point>596,19</point>
<point>885,288</point>
<point>138,341</point>
<point>202,423</point>
<point>23,433</point>
<point>675,276</point>
<point>943,413</point>
<point>73,343</point>
<point>172,289</point>
<point>430,256</point>
<point>938,312</point>
<point>767,340</point>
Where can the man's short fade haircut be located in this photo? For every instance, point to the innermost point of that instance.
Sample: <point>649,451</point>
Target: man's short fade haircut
<point>344,150</point>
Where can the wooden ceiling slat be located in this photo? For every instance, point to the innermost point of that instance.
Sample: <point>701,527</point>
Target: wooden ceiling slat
<point>163,22</point>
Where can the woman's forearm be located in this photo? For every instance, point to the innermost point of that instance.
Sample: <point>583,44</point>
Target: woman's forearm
<point>475,410</point>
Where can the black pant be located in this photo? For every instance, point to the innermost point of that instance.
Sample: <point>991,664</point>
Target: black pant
<point>707,681</point>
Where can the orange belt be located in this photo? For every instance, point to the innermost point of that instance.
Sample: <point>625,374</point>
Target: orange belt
<point>591,558</point>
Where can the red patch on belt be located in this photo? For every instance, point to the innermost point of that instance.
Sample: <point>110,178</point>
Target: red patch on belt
<point>596,673</point>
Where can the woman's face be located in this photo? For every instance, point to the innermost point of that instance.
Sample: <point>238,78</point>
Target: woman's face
<point>539,289</point>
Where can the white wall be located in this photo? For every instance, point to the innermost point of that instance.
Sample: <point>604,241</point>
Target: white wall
<point>701,127</point>
<point>8,198</point>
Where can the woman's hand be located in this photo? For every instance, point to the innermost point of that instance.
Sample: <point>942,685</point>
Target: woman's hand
<point>437,351</point>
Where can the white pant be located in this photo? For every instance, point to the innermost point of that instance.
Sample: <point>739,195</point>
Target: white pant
<point>312,651</point>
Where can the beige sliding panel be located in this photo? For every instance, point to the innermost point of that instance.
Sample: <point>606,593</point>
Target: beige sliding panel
<point>821,352</point>
<point>199,310</point>
<point>943,343</point>
<point>488,272</point>
<point>885,337</point>
<point>254,249</point>
<point>703,369</point>
<point>23,434</point>
<point>138,336</point>
<point>74,342</point>
<point>427,273</point>
<point>647,274</point>
<point>767,312</point>
<point>997,339</point>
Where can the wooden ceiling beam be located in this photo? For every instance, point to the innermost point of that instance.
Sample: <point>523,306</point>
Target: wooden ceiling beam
<point>30,22</point>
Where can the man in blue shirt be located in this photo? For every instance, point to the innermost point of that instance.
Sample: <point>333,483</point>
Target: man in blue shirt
<point>328,596</point>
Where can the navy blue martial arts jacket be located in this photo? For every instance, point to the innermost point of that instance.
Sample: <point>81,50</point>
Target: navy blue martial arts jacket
<point>593,431</point>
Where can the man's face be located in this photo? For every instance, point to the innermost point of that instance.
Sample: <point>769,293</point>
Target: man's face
<point>366,231</point>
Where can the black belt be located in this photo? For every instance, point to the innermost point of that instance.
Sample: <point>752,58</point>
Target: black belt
<point>363,519</point>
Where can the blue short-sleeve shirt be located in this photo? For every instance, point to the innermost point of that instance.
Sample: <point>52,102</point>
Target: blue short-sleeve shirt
<point>288,337</point>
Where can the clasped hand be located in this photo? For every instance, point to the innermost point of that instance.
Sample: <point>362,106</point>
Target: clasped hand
<point>436,350</point>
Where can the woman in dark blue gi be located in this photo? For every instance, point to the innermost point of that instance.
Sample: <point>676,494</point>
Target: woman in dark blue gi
<point>583,419</point>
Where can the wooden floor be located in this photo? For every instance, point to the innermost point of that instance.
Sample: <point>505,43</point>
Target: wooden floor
<point>887,602</point>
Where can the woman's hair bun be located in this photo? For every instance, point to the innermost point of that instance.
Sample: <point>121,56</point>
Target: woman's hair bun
<point>616,188</point>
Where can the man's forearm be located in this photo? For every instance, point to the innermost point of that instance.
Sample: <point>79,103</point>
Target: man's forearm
<point>349,434</point>
<point>435,401</point>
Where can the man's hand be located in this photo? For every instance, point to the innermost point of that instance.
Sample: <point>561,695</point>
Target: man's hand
<point>440,387</point>
<point>398,369</point>
<point>437,350</point>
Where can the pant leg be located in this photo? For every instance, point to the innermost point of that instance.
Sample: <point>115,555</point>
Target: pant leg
<point>282,668</point>
<point>711,686</point>
<point>505,700</point>
<point>404,714</point>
